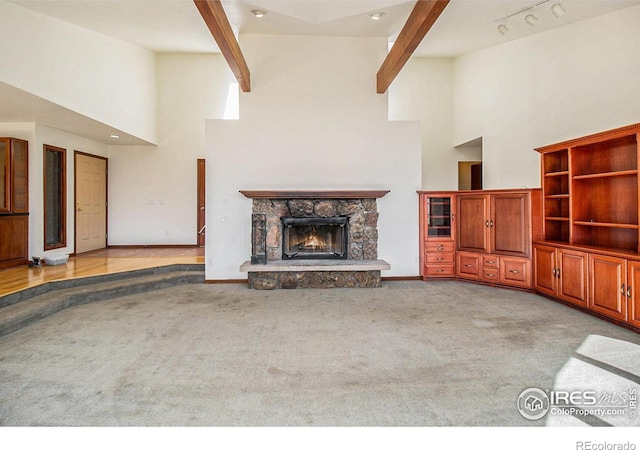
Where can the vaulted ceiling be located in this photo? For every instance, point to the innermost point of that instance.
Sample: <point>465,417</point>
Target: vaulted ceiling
<point>176,26</point>
<point>462,27</point>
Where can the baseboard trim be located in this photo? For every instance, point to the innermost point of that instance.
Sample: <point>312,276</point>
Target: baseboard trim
<point>153,246</point>
<point>228,281</point>
<point>416,278</point>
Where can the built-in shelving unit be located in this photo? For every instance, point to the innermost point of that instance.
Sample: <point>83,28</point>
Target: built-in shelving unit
<point>590,189</point>
<point>555,169</point>
<point>590,252</point>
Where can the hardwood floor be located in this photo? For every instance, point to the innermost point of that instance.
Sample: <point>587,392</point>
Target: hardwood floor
<point>97,263</point>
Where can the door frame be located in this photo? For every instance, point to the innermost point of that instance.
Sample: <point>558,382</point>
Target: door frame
<point>76,153</point>
<point>201,203</point>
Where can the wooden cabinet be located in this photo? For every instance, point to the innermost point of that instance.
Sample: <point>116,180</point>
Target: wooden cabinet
<point>633,293</point>
<point>560,273</point>
<point>437,234</point>
<point>591,223</point>
<point>494,269</point>
<point>497,223</point>
<point>14,202</point>
<point>608,286</point>
<point>498,226</point>
<point>477,235</point>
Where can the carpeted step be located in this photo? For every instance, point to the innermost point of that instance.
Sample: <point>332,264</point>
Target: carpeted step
<point>28,293</point>
<point>29,310</point>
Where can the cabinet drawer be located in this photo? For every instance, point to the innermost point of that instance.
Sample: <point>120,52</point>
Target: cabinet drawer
<point>445,270</point>
<point>492,275</point>
<point>490,261</point>
<point>440,258</point>
<point>438,247</point>
<point>515,272</point>
<point>469,265</point>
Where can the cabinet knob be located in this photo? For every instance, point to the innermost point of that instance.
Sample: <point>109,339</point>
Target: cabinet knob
<point>440,259</point>
<point>490,274</point>
<point>513,271</point>
<point>623,289</point>
<point>440,270</point>
<point>468,265</point>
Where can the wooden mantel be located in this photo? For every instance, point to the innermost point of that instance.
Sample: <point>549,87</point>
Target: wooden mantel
<point>315,194</point>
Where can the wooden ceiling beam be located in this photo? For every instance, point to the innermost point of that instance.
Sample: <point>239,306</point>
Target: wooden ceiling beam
<point>218,23</point>
<point>424,15</point>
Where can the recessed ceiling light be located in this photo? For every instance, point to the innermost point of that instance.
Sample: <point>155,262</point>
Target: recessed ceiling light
<point>258,12</point>
<point>376,16</point>
<point>114,136</point>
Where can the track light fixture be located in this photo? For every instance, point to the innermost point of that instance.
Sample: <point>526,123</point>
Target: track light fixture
<point>502,28</point>
<point>557,9</point>
<point>531,18</point>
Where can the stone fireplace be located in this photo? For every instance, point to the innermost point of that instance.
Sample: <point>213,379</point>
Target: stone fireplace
<point>314,239</point>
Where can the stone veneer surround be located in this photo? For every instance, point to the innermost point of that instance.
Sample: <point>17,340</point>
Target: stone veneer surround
<point>269,207</point>
<point>362,214</point>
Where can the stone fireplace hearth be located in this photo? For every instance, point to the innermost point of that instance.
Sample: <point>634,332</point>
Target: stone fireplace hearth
<point>272,265</point>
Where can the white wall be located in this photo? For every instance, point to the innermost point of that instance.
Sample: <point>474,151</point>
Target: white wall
<point>312,121</point>
<point>561,84</point>
<point>102,78</point>
<point>423,91</point>
<point>152,190</point>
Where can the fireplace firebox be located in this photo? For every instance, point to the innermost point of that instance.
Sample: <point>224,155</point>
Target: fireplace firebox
<point>315,237</point>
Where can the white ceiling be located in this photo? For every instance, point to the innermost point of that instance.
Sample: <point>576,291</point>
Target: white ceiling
<point>176,26</point>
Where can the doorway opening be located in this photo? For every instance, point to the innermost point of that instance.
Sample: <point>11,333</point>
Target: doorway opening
<point>201,200</point>
<point>91,202</point>
<point>469,175</point>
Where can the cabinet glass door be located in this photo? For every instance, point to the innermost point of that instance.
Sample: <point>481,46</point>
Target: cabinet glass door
<point>439,216</point>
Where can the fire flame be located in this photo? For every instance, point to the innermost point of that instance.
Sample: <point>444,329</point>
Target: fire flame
<point>313,242</point>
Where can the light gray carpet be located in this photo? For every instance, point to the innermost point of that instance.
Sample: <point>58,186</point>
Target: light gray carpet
<point>407,354</point>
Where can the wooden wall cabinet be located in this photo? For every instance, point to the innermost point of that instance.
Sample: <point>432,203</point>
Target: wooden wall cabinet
<point>488,239</point>
<point>497,223</point>
<point>591,229</point>
<point>437,234</point>
<point>14,202</point>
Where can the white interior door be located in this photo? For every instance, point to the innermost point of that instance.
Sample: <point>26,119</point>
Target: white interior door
<point>91,203</point>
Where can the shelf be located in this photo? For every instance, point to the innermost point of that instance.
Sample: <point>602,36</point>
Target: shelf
<point>605,224</point>
<point>557,196</point>
<point>557,219</point>
<point>619,173</point>
<point>557,174</point>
